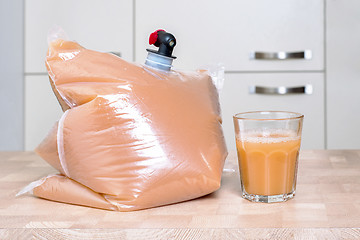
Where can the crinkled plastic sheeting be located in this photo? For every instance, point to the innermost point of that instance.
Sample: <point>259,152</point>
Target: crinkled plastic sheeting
<point>131,137</point>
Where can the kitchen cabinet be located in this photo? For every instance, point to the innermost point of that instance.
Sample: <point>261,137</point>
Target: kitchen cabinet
<point>237,96</point>
<point>229,31</point>
<point>11,81</point>
<point>42,110</point>
<point>343,74</point>
<point>102,25</point>
<point>225,32</point>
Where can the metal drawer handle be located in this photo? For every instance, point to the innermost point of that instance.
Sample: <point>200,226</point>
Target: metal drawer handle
<point>116,53</point>
<point>307,54</point>
<point>307,89</point>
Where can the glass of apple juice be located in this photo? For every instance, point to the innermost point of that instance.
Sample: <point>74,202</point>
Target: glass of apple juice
<point>268,144</point>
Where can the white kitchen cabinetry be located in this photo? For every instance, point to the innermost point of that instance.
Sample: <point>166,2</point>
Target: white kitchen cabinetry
<point>228,31</point>
<point>102,25</point>
<point>236,97</point>
<point>207,32</point>
<point>343,74</point>
<point>42,110</point>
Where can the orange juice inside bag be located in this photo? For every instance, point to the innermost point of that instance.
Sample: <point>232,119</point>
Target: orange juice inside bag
<point>132,136</point>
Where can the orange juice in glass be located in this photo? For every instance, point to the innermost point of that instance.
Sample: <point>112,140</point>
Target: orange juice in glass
<point>268,144</point>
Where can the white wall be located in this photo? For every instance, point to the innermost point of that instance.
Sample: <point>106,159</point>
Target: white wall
<point>11,75</point>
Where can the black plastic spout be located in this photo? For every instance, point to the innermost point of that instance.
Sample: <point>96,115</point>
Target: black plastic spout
<point>162,58</point>
<point>164,41</point>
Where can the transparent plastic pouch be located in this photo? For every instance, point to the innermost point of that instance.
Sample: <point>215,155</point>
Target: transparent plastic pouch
<point>131,137</point>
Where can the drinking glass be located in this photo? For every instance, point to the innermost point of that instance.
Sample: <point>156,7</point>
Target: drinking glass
<point>268,144</point>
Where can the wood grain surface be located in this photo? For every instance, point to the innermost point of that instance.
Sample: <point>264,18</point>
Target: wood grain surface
<point>326,206</point>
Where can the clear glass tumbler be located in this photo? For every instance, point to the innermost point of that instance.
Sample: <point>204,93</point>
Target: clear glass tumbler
<point>268,144</point>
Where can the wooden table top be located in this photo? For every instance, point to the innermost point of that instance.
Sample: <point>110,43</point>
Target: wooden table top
<point>326,206</point>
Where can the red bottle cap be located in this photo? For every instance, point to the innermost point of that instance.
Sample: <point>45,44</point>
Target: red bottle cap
<point>154,36</point>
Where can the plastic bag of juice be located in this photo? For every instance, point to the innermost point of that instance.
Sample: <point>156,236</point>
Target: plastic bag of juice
<point>132,136</point>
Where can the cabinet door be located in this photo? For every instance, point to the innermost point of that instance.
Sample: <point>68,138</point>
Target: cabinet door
<point>228,31</point>
<point>235,97</point>
<point>102,25</point>
<point>343,74</point>
<point>42,110</point>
